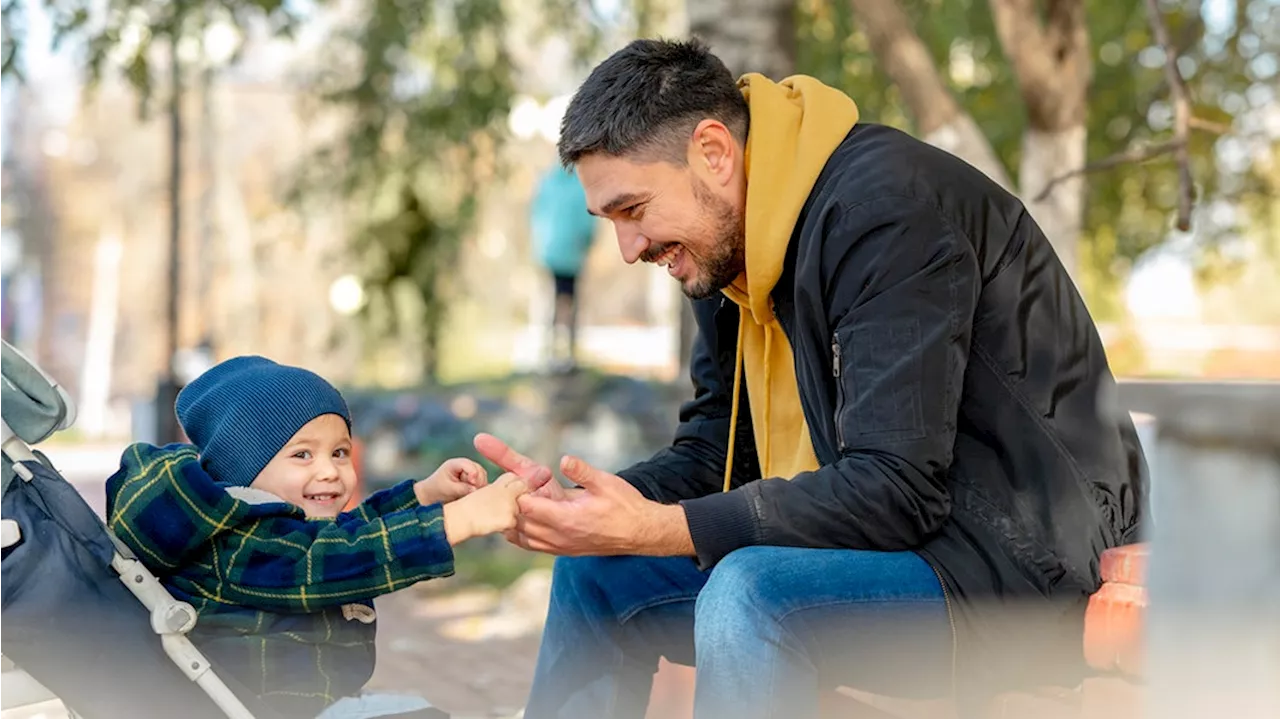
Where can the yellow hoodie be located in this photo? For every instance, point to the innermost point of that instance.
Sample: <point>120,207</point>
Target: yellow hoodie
<point>795,126</point>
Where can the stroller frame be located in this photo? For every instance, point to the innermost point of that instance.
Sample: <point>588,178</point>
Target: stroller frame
<point>170,618</point>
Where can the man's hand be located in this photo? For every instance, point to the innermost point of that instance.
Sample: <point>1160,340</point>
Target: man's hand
<point>603,515</point>
<point>456,478</point>
<point>538,477</point>
<point>606,516</point>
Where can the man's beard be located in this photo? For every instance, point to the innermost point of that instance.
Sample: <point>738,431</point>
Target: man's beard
<point>726,258</point>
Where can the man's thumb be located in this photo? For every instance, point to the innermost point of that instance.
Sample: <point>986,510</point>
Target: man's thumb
<point>579,472</point>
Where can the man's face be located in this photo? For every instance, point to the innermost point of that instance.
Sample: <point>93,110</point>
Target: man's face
<point>314,469</point>
<point>670,215</point>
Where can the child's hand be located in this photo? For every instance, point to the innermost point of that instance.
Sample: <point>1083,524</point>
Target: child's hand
<point>485,511</point>
<point>455,479</point>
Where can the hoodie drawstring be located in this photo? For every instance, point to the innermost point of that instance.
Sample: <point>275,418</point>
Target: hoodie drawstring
<point>763,452</point>
<point>737,393</point>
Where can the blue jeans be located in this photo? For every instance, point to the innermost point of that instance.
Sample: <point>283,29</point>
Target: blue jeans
<point>769,628</point>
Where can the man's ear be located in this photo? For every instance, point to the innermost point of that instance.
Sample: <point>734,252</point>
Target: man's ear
<point>713,152</point>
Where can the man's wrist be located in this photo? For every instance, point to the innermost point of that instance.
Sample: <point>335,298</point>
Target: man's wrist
<point>669,532</point>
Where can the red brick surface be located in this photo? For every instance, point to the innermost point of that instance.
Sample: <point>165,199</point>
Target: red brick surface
<point>1113,621</point>
<point>1127,564</point>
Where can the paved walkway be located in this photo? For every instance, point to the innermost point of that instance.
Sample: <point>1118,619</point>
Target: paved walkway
<point>468,651</point>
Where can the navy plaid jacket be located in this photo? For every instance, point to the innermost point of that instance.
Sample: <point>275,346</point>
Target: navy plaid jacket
<point>285,602</point>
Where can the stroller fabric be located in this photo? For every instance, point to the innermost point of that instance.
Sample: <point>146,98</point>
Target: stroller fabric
<point>72,624</point>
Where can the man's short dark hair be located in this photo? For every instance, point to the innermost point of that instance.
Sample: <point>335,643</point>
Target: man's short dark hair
<point>646,100</point>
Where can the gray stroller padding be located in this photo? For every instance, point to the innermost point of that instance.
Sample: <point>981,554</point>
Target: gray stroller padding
<point>72,624</point>
<point>35,406</point>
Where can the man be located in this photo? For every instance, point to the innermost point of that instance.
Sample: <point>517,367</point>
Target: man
<point>562,232</point>
<point>916,494</point>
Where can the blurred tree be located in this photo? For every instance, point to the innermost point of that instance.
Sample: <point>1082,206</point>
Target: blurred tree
<point>425,90</point>
<point>1028,91</point>
<point>11,31</point>
<point>124,33</point>
<point>945,71</point>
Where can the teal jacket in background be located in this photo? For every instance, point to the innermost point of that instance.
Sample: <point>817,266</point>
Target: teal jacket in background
<point>562,229</point>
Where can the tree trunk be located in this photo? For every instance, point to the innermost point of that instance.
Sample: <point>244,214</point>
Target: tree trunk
<point>748,35</point>
<point>939,119</point>
<point>1051,61</point>
<point>1045,155</point>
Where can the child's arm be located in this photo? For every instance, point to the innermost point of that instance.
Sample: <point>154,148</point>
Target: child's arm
<point>291,564</point>
<point>456,478</point>
<point>393,499</point>
<point>269,556</point>
<point>287,564</point>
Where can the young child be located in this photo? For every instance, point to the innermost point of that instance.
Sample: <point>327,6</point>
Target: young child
<point>246,525</point>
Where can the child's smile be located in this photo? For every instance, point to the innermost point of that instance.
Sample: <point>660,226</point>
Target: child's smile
<point>314,469</point>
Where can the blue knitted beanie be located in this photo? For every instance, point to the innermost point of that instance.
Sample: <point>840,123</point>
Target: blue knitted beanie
<point>241,413</point>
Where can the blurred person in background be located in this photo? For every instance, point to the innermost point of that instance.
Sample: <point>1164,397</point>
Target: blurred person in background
<point>562,231</point>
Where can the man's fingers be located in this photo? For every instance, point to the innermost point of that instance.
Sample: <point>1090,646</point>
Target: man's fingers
<point>538,478</point>
<point>581,473</point>
<point>550,490</point>
<point>545,547</point>
<point>498,452</point>
<point>514,537</point>
<point>543,511</point>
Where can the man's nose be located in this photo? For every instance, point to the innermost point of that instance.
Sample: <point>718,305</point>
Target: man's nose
<point>631,243</point>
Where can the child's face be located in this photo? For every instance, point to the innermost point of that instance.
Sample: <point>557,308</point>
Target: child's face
<point>314,469</point>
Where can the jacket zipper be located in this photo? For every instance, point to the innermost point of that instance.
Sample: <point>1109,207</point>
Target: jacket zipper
<point>836,369</point>
<point>946,598</point>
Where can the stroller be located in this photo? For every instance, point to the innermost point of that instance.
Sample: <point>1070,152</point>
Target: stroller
<point>83,620</point>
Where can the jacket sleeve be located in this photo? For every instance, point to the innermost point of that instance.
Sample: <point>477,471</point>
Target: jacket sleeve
<point>293,564</point>
<point>901,298</point>
<point>693,466</point>
<point>392,499</point>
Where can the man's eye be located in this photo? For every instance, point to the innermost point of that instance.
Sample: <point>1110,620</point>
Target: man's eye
<point>634,212</point>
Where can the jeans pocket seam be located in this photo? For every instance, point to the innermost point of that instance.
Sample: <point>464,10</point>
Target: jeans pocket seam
<point>626,616</point>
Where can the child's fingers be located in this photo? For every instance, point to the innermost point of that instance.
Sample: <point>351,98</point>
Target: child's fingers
<point>512,483</point>
<point>475,475</point>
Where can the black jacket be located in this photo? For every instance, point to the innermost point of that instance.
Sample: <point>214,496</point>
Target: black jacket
<point>950,376</point>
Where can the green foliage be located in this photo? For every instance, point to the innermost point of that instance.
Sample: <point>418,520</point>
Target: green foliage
<point>1128,210</point>
<point>125,32</point>
<point>11,34</point>
<point>426,95</point>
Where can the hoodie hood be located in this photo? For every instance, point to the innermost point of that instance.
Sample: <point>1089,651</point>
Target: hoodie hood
<point>795,126</point>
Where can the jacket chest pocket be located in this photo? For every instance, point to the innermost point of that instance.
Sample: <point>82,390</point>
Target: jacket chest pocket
<point>878,374</point>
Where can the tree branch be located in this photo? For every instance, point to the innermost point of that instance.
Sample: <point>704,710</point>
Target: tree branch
<point>939,119</point>
<point>1217,128</point>
<point>1050,58</point>
<point>1181,113</point>
<point>13,34</point>
<point>1131,156</point>
<point>906,60</point>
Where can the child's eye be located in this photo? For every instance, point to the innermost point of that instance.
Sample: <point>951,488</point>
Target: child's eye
<point>341,452</point>
<point>302,454</point>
